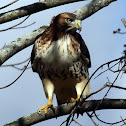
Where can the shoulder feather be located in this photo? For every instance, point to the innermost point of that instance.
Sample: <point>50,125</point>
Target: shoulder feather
<point>85,55</point>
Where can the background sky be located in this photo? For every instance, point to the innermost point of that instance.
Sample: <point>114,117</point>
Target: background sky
<point>27,94</point>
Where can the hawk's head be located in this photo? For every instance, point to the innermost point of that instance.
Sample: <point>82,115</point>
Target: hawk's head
<point>66,22</point>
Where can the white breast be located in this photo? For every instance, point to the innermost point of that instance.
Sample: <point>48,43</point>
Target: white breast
<point>60,52</point>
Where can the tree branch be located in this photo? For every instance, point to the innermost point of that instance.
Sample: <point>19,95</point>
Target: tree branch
<point>9,4</point>
<point>91,8</point>
<point>15,25</point>
<point>33,8</point>
<point>14,47</point>
<point>65,109</point>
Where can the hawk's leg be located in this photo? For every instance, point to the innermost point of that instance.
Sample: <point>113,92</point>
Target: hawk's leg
<point>79,88</point>
<point>75,99</point>
<point>49,89</point>
<point>48,105</point>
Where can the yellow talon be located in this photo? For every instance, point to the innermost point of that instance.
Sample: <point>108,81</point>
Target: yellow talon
<point>48,105</point>
<point>45,107</point>
<point>75,99</point>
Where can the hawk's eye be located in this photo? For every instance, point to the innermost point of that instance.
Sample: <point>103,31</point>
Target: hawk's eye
<point>69,20</point>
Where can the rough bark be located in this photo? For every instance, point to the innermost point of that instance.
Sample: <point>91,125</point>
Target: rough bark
<point>66,109</point>
<point>33,8</point>
<point>17,45</point>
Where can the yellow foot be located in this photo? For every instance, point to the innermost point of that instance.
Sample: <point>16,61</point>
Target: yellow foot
<point>45,107</point>
<point>48,105</point>
<point>75,99</point>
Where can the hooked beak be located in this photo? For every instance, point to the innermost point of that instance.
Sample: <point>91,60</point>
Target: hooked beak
<point>76,25</point>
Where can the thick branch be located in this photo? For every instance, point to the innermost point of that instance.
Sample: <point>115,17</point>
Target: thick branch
<point>33,8</point>
<point>82,13</point>
<point>15,46</point>
<point>66,109</point>
<point>26,40</point>
<point>91,8</point>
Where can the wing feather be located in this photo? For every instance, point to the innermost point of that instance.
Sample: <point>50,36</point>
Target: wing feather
<point>85,55</point>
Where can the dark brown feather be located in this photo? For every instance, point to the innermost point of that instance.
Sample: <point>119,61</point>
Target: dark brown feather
<point>83,47</point>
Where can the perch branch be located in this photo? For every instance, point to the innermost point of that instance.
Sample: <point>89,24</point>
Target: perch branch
<point>65,109</point>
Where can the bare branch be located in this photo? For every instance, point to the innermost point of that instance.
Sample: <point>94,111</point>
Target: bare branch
<point>33,8</point>
<point>110,123</point>
<point>22,68</point>
<point>91,119</point>
<point>91,8</point>
<point>16,64</point>
<point>123,120</point>
<point>8,4</point>
<point>106,70</point>
<point>15,25</point>
<point>8,65</point>
<point>81,102</point>
<point>107,91</point>
<point>97,70</point>
<point>17,77</point>
<point>24,26</point>
<point>66,109</point>
<point>15,46</point>
<point>77,122</point>
<point>118,31</point>
<point>115,86</point>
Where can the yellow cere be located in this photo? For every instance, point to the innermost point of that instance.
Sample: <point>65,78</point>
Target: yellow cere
<point>78,23</point>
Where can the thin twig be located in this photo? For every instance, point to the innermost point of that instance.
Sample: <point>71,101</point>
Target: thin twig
<point>15,65</point>
<point>106,70</point>
<point>107,92</point>
<point>80,103</point>
<point>115,86</point>
<point>91,119</point>
<point>8,4</point>
<point>63,122</point>
<point>114,71</point>
<point>21,68</point>
<point>107,122</point>
<point>123,120</point>
<point>77,122</point>
<point>119,32</point>
<point>70,122</point>
<point>15,25</point>
<point>98,69</point>
<point>8,65</point>
<point>24,26</point>
<point>17,77</point>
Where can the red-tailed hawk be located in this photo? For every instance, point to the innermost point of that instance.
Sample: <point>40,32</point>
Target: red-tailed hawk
<point>62,59</point>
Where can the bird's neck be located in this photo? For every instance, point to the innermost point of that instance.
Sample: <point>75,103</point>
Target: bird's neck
<point>58,32</point>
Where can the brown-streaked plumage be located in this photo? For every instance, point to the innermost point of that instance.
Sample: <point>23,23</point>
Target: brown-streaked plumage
<point>62,59</point>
